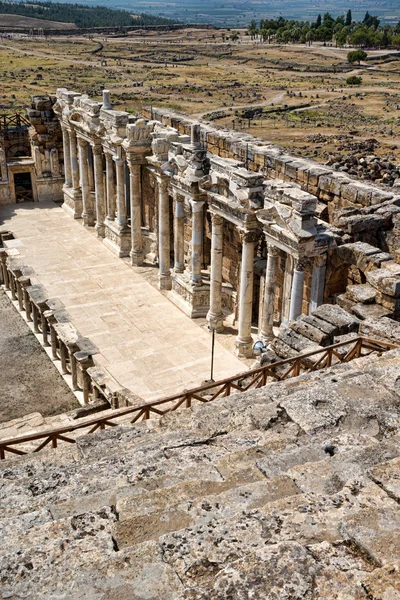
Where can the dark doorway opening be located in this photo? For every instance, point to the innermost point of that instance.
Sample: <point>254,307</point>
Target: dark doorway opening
<point>23,187</point>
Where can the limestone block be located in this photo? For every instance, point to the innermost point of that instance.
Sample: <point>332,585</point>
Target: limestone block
<point>385,280</point>
<point>337,316</point>
<point>382,329</point>
<point>364,293</point>
<point>388,302</point>
<point>387,476</point>
<point>297,342</point>
<point>383,583</point>
<point>370,311</point>
<point>328,328</point>
<point>307,330</point>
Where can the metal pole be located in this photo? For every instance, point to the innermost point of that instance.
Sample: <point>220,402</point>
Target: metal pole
<point>212,354</point>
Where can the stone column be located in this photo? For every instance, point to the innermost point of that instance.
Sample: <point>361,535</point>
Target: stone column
<point>74,161</point>
<point>287,289</point>
<point>296,299</point>
<point>99,189</point>
<point>3,166</point>
<point>214,317</point>
<point>244,341</point>
<point>121,206</point>
<point>87,210</point>
<point>67,157</point>
<point>90,163</point>
<point>197,240</point>
<point>318,282</point>
<point>110,187</point>
<point>136,213</point>
<point>267,333</point>
<point>164,252</point>
<point>179,233</point>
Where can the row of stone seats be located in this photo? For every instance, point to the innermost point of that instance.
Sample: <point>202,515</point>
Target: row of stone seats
<point>288,492</point>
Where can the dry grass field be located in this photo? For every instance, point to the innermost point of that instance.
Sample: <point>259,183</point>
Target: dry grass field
<point>300,92</point>
<point>20,21</point>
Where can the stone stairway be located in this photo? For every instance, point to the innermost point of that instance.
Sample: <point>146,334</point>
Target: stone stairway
<point>286,492</point>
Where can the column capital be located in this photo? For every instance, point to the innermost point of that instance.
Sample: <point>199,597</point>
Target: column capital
<point>119,162</point>
<point>248,236</point>
<point>300,263</point>
<point>197,205</point>
<point>81,142</point>
<point>273,250</point>
<point>216,219</point>
<point>97,149</point>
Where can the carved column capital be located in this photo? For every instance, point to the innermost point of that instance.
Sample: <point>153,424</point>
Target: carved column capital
<point>216,219</point>
<point>197,205</point>
<point>81,142</point>
<point>248,236</point>
<point>97,149</point>
<point>273,251</point>
<point>300,263</point>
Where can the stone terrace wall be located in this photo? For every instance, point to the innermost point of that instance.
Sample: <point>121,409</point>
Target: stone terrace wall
<point>333,188</point>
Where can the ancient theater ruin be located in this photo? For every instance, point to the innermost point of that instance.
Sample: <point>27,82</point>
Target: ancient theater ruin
<point>126,242</point>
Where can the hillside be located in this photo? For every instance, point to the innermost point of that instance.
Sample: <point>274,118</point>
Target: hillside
<point>21,21</point>
<point>81,16</point>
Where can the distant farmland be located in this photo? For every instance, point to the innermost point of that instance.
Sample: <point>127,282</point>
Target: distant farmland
<point>20,21</point>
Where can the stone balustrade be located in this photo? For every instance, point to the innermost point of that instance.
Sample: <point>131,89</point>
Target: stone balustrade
<point>49,318</point>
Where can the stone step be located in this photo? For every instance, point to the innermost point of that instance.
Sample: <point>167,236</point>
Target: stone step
<point>338,317</point>
<point>363,294</point>
<point>310,332</point>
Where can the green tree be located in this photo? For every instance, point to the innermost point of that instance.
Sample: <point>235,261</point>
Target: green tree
<point>318,21</point>
<point>356,56</point>
<point>349,18</point>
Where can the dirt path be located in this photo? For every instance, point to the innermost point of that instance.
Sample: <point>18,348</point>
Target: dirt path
<point>29,382</point>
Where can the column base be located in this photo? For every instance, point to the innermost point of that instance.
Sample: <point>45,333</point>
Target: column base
<point>266,338</point>
<point>215,322</point>
<point>136,258</point>
<point>194,301</point>
<point>244,348</point>
<point>101,230</point>
<point>164,282</point>
<point>72,202</point>
<point>117,239</point>
<point>88,219</point>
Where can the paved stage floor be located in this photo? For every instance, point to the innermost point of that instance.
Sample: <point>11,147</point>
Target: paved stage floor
<point>145,342</point>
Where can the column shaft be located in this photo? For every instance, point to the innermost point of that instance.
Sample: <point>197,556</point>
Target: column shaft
<point>67,157</point>
<point>197,241</point>
<point>296,299</point>
<point>244,341</point>
<point>87,209</point>
<point>121,206</point>
<point>164,249</point>
<point>318,283</point>
<point>267,332</point>
<point>110,188</point>
<point>179,233</point>
<point>215,317</point>
<point>74,161</point>
<point>136,214</point>
<point>99,189</point>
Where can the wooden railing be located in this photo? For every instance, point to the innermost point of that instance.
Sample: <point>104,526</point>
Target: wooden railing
<point>252,379</point>
<point>13,121</point>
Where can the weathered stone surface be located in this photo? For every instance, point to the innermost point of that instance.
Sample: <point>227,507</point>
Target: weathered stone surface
<point>382,329</point>
<point>337,316</point>
<point>365,294</point>
<point>307,330</point>
<point>387,476</point>
<point>370,311</point>
<point>384,583</point>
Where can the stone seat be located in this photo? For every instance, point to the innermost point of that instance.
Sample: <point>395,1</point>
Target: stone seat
<point>283,484</point>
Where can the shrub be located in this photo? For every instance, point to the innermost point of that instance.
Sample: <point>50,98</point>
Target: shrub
<point>354,80</point>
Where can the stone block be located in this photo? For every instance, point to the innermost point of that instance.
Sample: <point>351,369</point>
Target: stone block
<point>328,328</point>
<point>312,333</point>
<point>382,329</point>
<point>370,311</point>
<point>364,293</point>
<point>337,316</point>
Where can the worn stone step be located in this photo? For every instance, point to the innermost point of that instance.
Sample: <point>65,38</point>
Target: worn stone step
<point>363,294</point>
<point>310,332</point>
<point>140,523</point>
<point>337,316</point>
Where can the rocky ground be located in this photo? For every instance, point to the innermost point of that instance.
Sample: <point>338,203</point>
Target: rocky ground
<point>29,382</point>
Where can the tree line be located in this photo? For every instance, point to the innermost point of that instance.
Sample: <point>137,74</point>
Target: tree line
<point>342,31</point>
<point>83,16</point>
